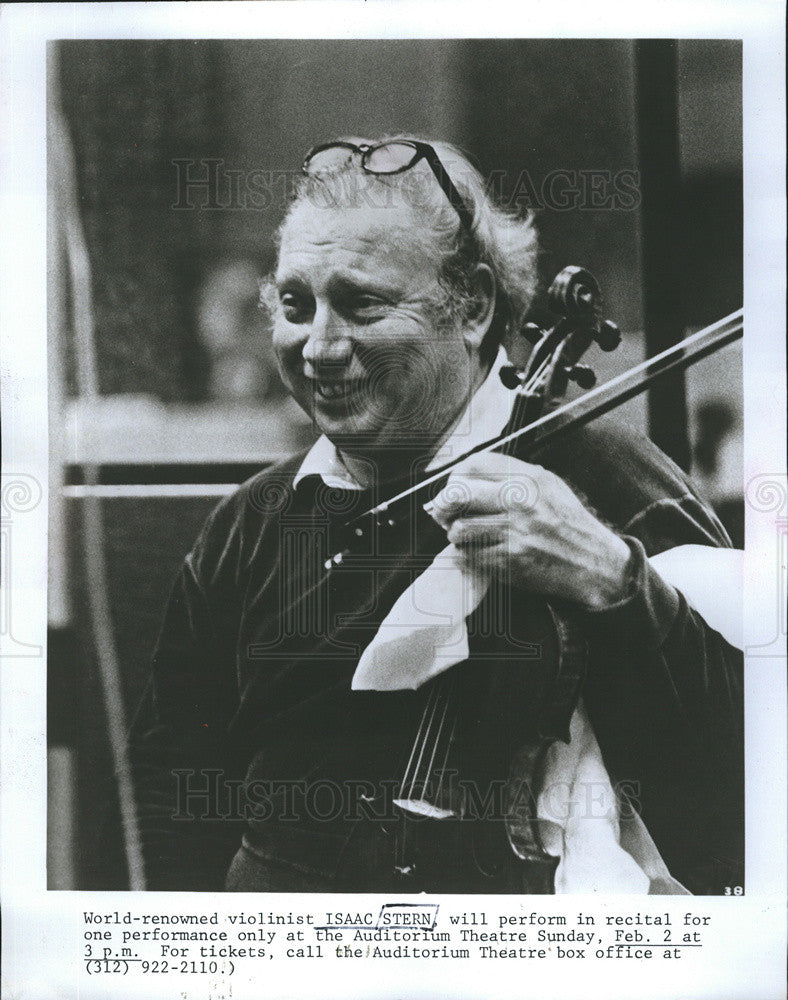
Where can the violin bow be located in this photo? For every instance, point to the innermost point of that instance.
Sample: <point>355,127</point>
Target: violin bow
<point>592,404</point>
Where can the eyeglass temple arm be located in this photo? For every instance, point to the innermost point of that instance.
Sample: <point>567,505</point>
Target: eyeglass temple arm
<point>451,192</point>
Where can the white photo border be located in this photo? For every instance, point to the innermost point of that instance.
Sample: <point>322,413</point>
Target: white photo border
<point>42,930</point>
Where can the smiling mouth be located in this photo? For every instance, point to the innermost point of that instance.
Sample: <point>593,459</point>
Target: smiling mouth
<point>333,389</point>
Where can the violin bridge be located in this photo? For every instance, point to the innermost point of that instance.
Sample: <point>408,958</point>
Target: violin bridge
<point>419,807</point>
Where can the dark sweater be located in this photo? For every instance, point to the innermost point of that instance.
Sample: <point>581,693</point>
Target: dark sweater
<point>251,677</point>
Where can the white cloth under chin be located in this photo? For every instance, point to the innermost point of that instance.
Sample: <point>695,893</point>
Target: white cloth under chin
<point>596,832</point>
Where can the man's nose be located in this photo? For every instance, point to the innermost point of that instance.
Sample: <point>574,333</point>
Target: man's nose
<point>328,346</point>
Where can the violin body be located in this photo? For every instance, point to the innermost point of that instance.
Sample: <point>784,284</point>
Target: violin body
<point>469,822</point>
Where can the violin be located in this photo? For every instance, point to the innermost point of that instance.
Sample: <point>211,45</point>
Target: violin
<point>466,802</point>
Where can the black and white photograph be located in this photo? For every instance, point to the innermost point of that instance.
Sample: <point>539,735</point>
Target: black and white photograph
<point>350,692</point>
<point>412,566</point>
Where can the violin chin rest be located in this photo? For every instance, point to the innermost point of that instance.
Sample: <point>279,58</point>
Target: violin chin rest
<point>539,840</point>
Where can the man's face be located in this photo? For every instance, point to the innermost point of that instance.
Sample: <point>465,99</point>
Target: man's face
<point>357,331</point>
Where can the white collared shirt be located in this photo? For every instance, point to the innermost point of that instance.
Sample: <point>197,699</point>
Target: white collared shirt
<point>484,418</point>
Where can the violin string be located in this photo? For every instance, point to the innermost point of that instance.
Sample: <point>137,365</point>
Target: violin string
<point>442,689</point>
<point>434,697</point>
<point>445,762</point>
<point>420,738</point>
<point>446,703</point>
<point>421,742</point>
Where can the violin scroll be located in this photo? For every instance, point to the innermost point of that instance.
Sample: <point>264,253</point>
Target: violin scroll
<point>575,297</point>
<point>575,294</point>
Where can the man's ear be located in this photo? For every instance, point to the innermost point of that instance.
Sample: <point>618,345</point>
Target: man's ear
<point>481,306</point>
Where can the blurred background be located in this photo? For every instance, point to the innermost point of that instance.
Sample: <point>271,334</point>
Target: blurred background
<point>169,170</point>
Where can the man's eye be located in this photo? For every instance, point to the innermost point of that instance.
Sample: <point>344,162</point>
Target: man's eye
<point>295,308</point>
<point>366,305</point>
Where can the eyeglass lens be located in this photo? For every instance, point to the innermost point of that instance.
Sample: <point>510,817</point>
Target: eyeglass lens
<point>390,158</point>
<point>329,160</point>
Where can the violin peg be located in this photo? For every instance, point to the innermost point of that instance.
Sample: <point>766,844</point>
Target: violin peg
<point>609,335</point>
<point>582,375</point>
<point>532,333</point>
<point>510,376</point>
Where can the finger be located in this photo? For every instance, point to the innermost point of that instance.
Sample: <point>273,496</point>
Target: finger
<point>485,558</point>
<point>463,497</point>
<point>478,532</point>
<point>494,464</point>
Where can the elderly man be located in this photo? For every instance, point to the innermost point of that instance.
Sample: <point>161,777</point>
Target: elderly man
<point>267,765</point>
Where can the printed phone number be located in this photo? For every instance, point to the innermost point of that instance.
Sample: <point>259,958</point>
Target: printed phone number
<point>122,967</point>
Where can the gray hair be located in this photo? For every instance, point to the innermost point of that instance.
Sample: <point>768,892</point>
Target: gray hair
<point>505,241</point>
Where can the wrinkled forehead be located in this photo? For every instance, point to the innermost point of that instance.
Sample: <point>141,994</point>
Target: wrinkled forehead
<point>391,234</point>
<point>310,220</point>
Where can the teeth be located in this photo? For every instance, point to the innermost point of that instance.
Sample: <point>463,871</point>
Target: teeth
<point>331,390</point>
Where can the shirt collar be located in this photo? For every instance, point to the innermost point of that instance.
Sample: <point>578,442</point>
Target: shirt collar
<point>485,417</point>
